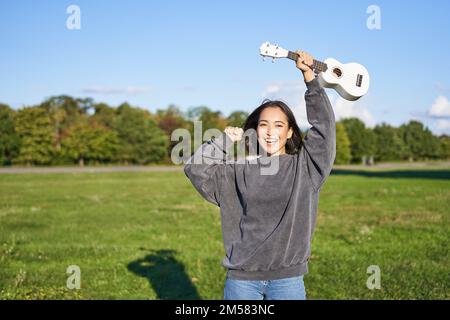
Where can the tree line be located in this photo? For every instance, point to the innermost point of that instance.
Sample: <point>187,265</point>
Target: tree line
<point>65,130</point>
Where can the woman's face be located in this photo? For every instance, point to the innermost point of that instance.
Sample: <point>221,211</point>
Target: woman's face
<point>273,131</point>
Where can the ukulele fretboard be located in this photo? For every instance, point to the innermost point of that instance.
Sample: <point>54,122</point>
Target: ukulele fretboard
<point>317,66</point>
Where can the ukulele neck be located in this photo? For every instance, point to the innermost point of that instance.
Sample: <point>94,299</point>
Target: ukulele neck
<point>318,66</point>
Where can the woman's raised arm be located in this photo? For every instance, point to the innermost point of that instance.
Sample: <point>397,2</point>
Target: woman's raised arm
<point>320,141</point>
<point>319,145</point>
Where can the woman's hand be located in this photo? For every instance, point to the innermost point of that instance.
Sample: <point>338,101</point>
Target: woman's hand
<point>305,63</point>
<point>235,133</point>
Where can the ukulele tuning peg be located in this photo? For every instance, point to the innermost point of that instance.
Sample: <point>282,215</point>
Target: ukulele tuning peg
<point>264,59</point>
<point>273,60</point>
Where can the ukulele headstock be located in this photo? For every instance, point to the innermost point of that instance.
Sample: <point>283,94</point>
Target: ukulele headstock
<point>273,51</point>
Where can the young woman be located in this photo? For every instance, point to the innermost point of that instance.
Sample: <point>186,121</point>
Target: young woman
<point>268,219</point>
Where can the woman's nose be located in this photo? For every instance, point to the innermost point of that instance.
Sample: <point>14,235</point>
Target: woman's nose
<point>271,131</point>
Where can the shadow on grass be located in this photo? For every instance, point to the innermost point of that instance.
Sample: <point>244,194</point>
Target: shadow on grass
<point>415,174</point>
<point>166,275</point>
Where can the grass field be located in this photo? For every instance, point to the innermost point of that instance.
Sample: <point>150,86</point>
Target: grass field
<point>149,235</point>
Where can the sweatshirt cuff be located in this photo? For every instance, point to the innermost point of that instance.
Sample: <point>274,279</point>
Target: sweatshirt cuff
<point>313,85</point>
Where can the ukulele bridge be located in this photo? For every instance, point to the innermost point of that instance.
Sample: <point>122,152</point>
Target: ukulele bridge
<point>359,80</point>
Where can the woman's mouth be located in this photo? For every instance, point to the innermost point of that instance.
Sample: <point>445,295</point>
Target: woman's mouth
<point>271,141</point>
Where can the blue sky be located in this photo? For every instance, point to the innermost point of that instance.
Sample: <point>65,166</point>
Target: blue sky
<point>192,53</point>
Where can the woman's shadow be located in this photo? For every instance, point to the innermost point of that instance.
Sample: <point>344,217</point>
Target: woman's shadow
<point>166,275</point>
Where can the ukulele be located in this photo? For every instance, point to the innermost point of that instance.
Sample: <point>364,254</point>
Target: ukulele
<point>350,80</point>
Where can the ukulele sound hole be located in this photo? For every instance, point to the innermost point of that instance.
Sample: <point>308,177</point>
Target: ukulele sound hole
<point>337,72</point>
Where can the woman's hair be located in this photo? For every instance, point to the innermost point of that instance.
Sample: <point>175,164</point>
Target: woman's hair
<point>293,144</point>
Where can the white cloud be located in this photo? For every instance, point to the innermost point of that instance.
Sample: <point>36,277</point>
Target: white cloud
<point>293,93</point>
<point>440,108</point>
<point>352,109</point>
<point>443,125</point>
<point>130,90</point>
<point>273,88</point>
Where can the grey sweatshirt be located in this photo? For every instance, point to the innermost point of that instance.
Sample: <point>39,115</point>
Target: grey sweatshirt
<point>268,220</point>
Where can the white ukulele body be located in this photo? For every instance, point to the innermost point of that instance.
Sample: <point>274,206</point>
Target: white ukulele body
<point>350,80</point>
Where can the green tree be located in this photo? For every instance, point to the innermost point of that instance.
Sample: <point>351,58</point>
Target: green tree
<point>84,142</point>
<point>65,111</point>
<point>141,141</point>
<point>33,125</point>
<point>444,150</point>
<point>169,120</point>
<point>343,152</point>
<point>362,139</point>
<point>103,115</point>
<point>9,139</point>
<point>420,141</point>
<point>389,144</point>
<point>432,149</point>
<point>237,119</point>
<point>209,119</point>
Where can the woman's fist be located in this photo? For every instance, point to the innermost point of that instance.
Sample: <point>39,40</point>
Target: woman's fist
<point>304,63</point>
<point>235,133</point>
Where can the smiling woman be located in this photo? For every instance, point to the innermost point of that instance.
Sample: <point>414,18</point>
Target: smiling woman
<point>268,219</point>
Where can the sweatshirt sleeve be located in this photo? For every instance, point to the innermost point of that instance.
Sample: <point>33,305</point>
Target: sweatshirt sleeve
<point>320,142</point>
<point>205,168</point>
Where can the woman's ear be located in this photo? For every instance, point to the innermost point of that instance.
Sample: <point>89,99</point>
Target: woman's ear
<point>290,132</point>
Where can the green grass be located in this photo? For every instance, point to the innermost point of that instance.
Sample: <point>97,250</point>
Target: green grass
<point>151,236</point>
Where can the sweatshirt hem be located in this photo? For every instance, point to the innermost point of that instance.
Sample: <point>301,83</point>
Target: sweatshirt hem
<point>292,271</point>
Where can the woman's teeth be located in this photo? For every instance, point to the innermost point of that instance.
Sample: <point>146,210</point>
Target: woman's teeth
<point>271,141</point>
